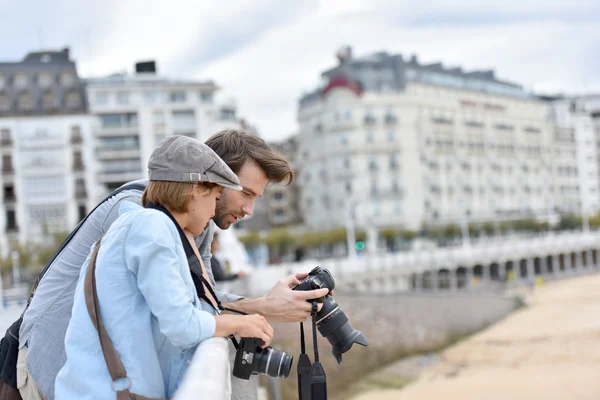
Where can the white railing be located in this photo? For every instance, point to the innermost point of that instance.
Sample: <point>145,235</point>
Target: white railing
<point>209,375</point>
<point>400,266</point>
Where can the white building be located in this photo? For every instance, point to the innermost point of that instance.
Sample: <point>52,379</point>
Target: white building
<point>134,113</point>
<point>45,141</point>
<point>575,122</point>
<point>403,144</point>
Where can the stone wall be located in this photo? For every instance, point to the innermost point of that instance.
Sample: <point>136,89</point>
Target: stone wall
<point>395,326</point>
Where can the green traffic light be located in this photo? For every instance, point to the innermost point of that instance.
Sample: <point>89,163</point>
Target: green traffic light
<point>360,246</point>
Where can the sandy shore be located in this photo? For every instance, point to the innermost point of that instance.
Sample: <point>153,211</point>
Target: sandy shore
<point>549,350</point>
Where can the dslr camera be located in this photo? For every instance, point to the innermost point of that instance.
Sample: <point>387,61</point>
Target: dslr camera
<point>332,323</point>
<point>251,359</point>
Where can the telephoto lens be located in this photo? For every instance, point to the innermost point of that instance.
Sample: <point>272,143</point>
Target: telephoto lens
<point>333,325</point>
<point>251,359</point>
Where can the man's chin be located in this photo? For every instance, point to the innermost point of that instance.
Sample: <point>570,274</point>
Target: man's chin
<point>222,224</point>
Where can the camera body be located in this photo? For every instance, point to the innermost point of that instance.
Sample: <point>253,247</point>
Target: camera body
<point>318,278</point>
<point>332,323</point>
<point>251,359</point>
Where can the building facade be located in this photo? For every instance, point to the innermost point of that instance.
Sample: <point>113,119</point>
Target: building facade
<point>574,124</point>
<point>133,113</point>
<point>45,140</point>
<point>396,143</point>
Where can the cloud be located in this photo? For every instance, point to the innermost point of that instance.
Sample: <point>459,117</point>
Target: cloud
<point>265,54</point>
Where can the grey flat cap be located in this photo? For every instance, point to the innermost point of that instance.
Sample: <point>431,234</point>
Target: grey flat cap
<point>183,159</point>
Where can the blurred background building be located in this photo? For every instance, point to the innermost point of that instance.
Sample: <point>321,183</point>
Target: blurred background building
<point>135,112</point>
<point>66,142</point>
<point>397,143</point>
<point>46,145</point>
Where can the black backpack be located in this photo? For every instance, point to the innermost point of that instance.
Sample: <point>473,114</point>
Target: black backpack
<point>9,345</point>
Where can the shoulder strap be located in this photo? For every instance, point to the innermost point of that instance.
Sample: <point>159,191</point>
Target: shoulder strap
<point>113,361</point>
<point>129,186</point>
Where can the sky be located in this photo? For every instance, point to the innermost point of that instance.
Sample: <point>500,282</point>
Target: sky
<point>266,54</point>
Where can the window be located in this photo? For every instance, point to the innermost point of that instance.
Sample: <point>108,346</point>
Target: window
<point>373,164</point>
<point>11,220</point>
<point>50,102</point>
<point>120,143</point>
<point>45,80</point>
<point>374,189</point>
<point>44,187</point>
<point>391,136</point>
<point>206,97</point>
<point>177,97</point>
<point>76,134</point>
<point>101,98</point>
<point>4,104</point>
<point>123,98</point>
<point>9,192</point>
<point>158,118</point>
<point>394,165</point>
<point>77,161</point>
<point>132,165</point>
<point>348,115</point>
<point>80,192</point>
<point>184,121</point>
<point>346,162</point>
<point>25,102</point>
<point>349,187</point>
<point>81,211</point>
<point>20,81</point>
<point>73,101</point>
<point>2,82</point>
<point>344,138</point>
<point>67,79</point>
<point>277,196</point>
<point>125,120</point>
<point>370,137</point>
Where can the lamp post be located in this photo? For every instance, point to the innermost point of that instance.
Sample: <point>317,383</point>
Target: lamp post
<point>350,230</point>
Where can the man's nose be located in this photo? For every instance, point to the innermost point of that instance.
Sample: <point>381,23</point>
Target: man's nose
<point>248,208</point>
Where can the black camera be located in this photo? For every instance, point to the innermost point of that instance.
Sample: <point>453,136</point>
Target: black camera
<point>251,359</point>
<point>331,320</point>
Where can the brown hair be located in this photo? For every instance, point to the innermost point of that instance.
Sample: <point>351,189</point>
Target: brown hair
<point>174,195</point>
<point>236,147</point>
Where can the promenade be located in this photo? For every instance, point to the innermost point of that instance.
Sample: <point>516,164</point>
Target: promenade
<point>549,350</point>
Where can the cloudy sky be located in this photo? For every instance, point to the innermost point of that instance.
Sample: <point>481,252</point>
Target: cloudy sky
<point>265,54</point>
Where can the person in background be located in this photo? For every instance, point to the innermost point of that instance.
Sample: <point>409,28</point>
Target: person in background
<point>218,272</point>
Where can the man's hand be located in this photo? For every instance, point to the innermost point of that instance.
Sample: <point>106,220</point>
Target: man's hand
<point>282,304</point>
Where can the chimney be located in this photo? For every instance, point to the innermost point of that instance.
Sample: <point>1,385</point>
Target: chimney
<point>147,67</point>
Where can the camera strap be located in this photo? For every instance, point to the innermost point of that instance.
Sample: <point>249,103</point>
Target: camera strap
<point>312,380</point>
<point>303,369</point>
<point>318,379</point>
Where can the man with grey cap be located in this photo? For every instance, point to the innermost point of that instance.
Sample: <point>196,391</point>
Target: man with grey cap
<point>42,333</point>
<point>150,306</point>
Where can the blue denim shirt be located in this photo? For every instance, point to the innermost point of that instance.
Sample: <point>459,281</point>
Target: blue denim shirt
<point>45,323</point>
<point>148,305</point>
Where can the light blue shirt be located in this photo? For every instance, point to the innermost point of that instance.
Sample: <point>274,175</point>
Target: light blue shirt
<point>148,305</point>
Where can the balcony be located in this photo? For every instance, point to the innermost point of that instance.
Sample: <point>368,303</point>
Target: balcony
<point>112,153</point>
<point>370,120</point>
<point>8,171</point>
<point>391,119</point>
<point>111,131</point>
<point>10,199</point>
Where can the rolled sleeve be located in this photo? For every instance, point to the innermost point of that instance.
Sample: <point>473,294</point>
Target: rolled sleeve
<point>151,254</point>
